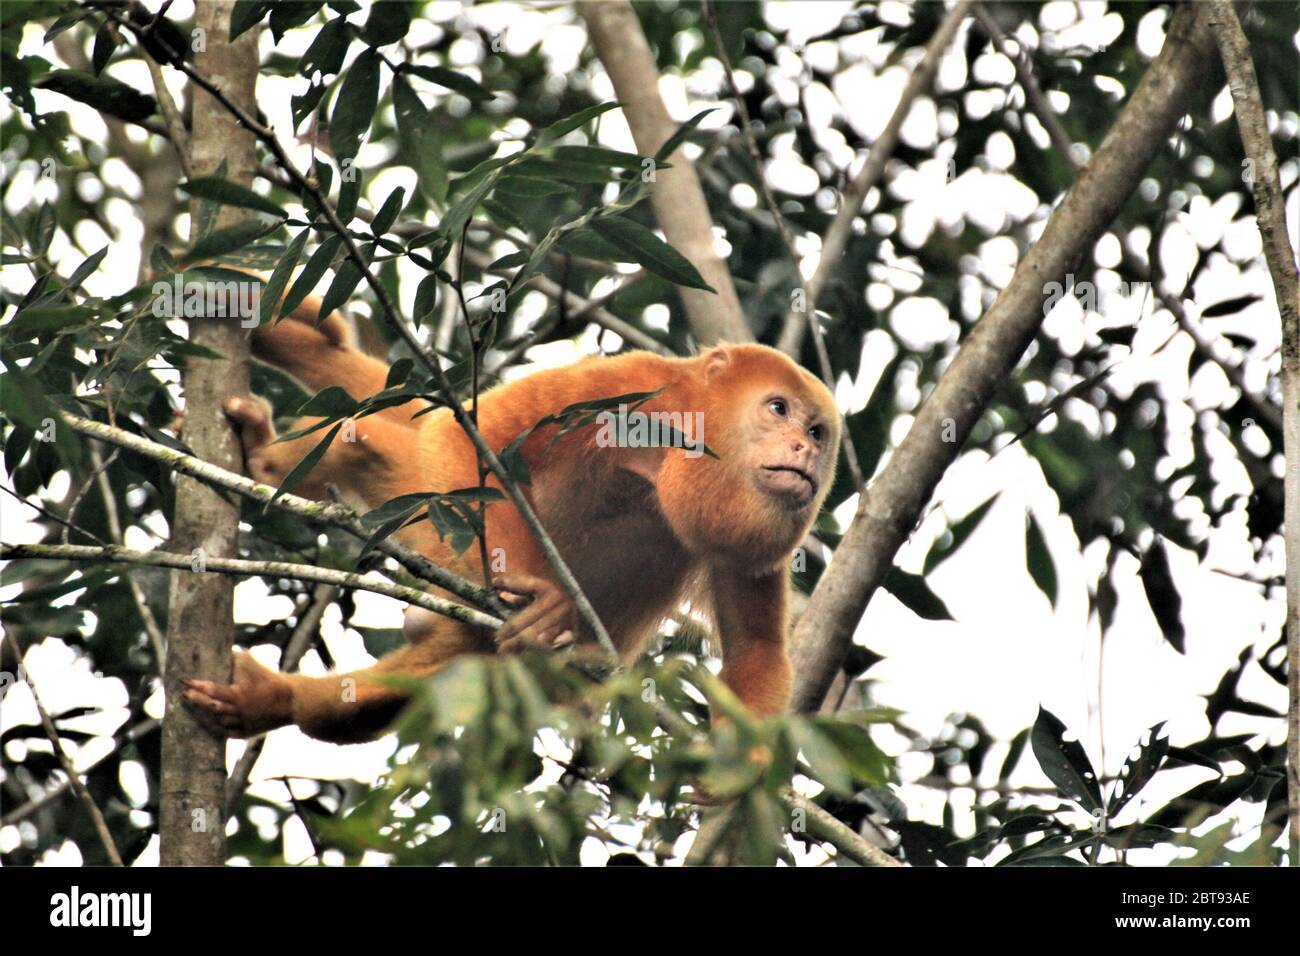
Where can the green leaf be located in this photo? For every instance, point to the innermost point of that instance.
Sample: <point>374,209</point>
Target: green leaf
<point>231,194</point>
<point>327,50</point>
<point>311,274</point>
<point>670,145</point>
<point>1065,762</point>
<point>1039,559</point>
<point>246,14</point>
<point>426,299</point>
<point>960,531</point>
<point>648,250</point>
<point>419,145</point>
<point>105,44</point>
<point>561,128</point>
<point>387,23</point>
<point>1230,306</point>
<point>274,288</point>
<point>388,212</point>
<point>1162,594</point>
<point>333,401</point>
<point>83,271</point>
<point>347,278</point>
<point>452,80</point>
<point>1138,771</point>
<point>828,767</point>
<point>354,109</point>
<point>913,591</point>
<point>223,241</point>
<point>104,93</point>
<point>304,467</point>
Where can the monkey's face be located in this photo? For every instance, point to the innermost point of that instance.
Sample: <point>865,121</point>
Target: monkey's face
<point>793,436</point>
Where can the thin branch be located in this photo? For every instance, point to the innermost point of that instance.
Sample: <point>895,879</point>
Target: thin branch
<point>74,778</point>
<point>18,814</point>
<point>142,607</point>
<point>239,567</point>
<point>837,236</point>
<point>1270,214</point>
<point>176,133</point>
<point>332,514</point>
<point>823,825</point>
<point>579,306</point>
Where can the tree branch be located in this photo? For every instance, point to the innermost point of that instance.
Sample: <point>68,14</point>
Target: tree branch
<point>239,567</point>
<point>677,197</point>
<point>335,515</point>
<point>74,778</point>
<point>1270,214</point>
<point>887,513</point>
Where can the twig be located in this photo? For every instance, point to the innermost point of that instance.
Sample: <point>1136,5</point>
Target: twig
<point>1270,214</point>
<point>115,533</point>
<point>18,814</point>
<point>837,236</point>
<point>242,568</point>
<point>74,779</point>
<point>333,514</point>
<point>823,825</point>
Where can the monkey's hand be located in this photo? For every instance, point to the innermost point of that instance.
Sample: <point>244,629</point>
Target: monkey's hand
<point>547,619</point>
<point>259,700</point>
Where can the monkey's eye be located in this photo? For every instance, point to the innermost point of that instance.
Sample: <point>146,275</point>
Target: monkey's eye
<point>778,407</point>
<point>817,433</point>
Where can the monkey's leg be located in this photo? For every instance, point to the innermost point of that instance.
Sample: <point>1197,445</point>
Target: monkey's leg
<point>320,356</point>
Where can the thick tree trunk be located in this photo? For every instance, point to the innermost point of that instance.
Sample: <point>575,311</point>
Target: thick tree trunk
<point>199,627</point>
<point>896,498</point>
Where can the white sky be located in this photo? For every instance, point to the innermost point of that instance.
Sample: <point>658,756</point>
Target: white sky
<point>1007,652</point>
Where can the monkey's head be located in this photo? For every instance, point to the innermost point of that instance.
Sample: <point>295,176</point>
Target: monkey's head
<point>776,432</point>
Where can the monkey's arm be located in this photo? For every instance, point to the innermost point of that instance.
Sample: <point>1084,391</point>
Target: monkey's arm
<point>750,612</point>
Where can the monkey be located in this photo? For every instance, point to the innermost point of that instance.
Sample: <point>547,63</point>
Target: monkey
<point>643,525</point>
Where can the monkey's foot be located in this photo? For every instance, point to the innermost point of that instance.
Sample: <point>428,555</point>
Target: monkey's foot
<point>546,621</point>
<point>259,700</point>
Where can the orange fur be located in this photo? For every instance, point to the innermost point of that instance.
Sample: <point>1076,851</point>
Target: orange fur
<point>642,528</point>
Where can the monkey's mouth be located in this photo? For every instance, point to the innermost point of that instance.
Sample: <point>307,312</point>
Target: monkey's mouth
<point>791,481</point>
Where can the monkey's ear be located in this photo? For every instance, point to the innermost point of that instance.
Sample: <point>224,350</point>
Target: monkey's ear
<point>715,360</point>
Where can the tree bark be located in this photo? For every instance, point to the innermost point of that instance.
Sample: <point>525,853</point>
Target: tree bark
<point>891,506</point>
<point>199,624</point>
<point>1270,213</point>
<point>677,197</point>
